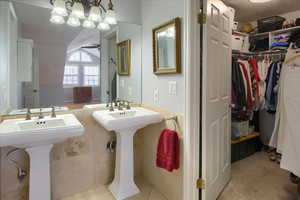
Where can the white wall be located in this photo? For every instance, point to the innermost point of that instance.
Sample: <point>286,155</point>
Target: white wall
<point>8,51</point>
<point>127,11</point>
<point>132,83</point>
<point>155,13</point>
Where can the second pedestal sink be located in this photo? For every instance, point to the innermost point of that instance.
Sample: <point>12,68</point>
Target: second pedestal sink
<point>37,137</point>
<point>125,124</point>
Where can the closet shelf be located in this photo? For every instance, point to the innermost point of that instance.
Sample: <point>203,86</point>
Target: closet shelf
<point>286,30</point>
<point>248,137</point>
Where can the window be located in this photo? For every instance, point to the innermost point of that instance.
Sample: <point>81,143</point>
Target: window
<point>71,75</point>
<point>81,69</point>
<point>80,56</point>
<point>85,57</point>
<point>91,75</point>
<point>75,57</point>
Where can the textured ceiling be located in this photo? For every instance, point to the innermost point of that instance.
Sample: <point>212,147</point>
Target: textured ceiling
<point>247,11</point>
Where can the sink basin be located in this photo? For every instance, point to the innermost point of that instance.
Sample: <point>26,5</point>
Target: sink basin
<point>133,119</point>
<point>125,124</point>
<point>123,114</point>
<point>37,136</point>
<point>40,124</point>
<point>36,132</point>
<point>94,106</point>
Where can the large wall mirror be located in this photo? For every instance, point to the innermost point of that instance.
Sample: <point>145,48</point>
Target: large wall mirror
<point>166,48</point>
<point>68,67</point>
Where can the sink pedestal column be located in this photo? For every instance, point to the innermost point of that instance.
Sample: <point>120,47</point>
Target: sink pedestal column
<point>39,183</point>
<point>123,185</point>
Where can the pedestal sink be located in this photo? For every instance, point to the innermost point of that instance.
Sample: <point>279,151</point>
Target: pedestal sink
<point>37,137</point>
<point>125,124</point>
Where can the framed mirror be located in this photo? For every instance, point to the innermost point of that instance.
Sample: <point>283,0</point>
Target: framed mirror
<point>167,48</point>
<point>124,57</point>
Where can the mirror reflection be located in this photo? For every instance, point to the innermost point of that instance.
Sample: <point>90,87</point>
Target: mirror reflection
<point>70,67</point>
<point>166,47</point>
<point>166,44</point>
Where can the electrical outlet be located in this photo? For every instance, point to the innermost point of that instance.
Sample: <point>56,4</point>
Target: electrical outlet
<point>156,95</point>
<point>172,88</point>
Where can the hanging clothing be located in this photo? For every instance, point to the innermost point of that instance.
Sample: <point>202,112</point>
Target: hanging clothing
<point>248,85</point>
<point>285,135</point>
<point>238,87</point>
<point>255,81</point>
<point>272,86</point>
<point>263,67</point>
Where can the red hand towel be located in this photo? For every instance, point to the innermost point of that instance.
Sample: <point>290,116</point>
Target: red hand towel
<point>168,150</point>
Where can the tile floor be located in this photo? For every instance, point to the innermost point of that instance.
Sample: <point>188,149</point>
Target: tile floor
<point>101,193</point>
<point>254,178</point>
<point>257,178</point>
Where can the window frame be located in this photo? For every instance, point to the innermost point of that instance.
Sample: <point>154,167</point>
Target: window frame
<point>81,65</point>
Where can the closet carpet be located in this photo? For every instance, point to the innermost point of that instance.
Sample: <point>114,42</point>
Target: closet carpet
<point>257,178</point>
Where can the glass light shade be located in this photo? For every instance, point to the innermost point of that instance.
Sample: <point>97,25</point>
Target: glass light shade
<point>110,17</point>
<point>59,8</point>
<point>95,14</point>
<point>103,26</point>
<point>260,1</point>
<point>88,24</point>
<point>57,19</point>
<point>78,11</point>
<point>73,21</point>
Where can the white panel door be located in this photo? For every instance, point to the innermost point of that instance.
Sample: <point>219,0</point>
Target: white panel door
<point>216,115</point>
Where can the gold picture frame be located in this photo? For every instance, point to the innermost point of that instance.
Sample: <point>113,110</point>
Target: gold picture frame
<point>124,58</point>
<point>166,41</point>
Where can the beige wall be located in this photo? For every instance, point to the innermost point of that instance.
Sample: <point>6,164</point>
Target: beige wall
<point>83,162</point>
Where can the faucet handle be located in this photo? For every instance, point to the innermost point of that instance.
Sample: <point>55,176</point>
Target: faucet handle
<point>53,114</point>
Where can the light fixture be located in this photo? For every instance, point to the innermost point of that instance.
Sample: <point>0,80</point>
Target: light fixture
<point>259,1</point>
<point>103,26</point>
<point>57,19</point>
<point>110,17</point>
<point>59,8</point>
<point>73,21</point>
<point>88,24</point>
<point>90,11</point>
<point>78,10</point>
<point>95,14</point>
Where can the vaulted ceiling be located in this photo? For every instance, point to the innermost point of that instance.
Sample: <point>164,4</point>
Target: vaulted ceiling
<point>247,11</point>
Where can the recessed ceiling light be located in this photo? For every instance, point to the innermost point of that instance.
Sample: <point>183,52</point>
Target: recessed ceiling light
<point>259,1</point>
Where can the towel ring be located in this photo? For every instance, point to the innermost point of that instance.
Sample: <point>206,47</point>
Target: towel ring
<point>174,120</point>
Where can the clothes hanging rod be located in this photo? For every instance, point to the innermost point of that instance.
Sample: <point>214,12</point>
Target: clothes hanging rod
<point>258,53</point>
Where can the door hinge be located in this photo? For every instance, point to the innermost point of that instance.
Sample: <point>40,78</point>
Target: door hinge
<point>200,184</point>
<point>202,18</point>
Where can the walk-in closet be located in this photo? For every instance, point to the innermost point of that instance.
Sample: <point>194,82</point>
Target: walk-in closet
<point>265,100</point>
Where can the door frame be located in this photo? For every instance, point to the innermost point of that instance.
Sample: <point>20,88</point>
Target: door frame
<point>193,97</point>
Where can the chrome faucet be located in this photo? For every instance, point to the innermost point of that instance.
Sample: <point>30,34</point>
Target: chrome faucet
<point>41,116</point>
<point>108,95</point>
<point>53,114</point>
<point>128,105</point>
<point>120,106</point>
<point>28,114</point>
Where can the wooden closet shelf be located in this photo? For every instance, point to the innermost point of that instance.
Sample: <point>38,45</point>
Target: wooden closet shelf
<point>248,137</point>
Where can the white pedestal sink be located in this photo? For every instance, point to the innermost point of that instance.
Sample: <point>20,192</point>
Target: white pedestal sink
<point>37,137</point>
<point>125,124</point>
